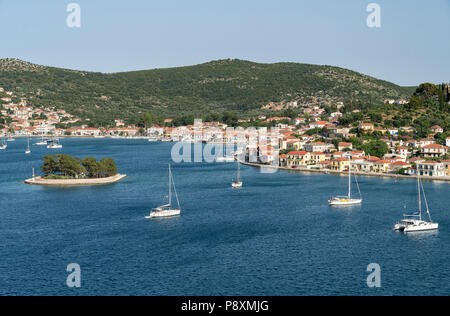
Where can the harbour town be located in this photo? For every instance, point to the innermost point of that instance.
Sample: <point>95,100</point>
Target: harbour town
<point>316,141</point>
<point>218,155</point>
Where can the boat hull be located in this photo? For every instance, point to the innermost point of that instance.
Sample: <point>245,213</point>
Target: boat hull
<point>345,202</point>
<point>237,185</point>
<point>164,214</point>
<point>225,159</point>
<point>421,228</point>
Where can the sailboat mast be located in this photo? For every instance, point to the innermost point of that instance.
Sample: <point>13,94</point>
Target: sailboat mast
<point>349,178</point>
<point>420,196</point>
<point>170,186</point>
<point>239,172</point>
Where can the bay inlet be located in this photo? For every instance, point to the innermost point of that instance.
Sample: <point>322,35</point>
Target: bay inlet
<point>276,236</point>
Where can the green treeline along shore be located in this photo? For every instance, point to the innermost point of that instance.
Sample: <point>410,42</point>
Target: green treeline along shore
<point>68,170</point>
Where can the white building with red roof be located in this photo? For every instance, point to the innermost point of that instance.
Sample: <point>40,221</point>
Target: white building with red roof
<point>434,151</point>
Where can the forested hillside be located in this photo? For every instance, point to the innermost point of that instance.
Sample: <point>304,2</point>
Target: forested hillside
<point>237,86</point>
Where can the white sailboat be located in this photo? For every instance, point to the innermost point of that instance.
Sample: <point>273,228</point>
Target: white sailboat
<point>415,222</point>
<point>167,210</point>
<point>28,151</point>
<point>4,144</point>
<point>42,142</point>
<point>347,200</point>
<point>238,183</point>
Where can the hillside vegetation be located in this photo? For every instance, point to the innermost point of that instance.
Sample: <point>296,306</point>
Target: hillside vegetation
<point>238,86</point>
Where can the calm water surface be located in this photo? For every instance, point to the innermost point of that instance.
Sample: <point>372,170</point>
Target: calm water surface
<point>276,236</point>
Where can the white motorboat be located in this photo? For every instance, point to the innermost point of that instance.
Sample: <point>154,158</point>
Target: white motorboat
<point>167,210</point>
<point>238,183</point>
<point>225,159</point>
<point>347,200</point>
<point>54,144</point>
<point>415,223</point>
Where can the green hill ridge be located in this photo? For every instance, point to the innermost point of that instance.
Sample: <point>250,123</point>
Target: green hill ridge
<point>239,86</point>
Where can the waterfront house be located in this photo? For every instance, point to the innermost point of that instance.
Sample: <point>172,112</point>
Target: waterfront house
<point>316,158</point>
<point>340,164</point>
<point>362,166</point>
<point>324,165</point>
<point>432,169</point>
<point>87,131</point>
<point>298,159</point>
<point>283,160</point>
<point>381,166</point>
<point>447,167</point>
<point>399,165</point>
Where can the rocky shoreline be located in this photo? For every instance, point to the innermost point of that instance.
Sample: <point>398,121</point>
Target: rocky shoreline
<point>75,182</point>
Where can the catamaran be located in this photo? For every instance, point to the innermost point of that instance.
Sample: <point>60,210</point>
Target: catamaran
<point>415,222</point>
<point>347,200</point>
<point>28,151</point>
<point>167,210</point>
<point>238,183</point>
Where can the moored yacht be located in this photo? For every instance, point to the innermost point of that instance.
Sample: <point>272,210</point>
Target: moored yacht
<point>347,200</point>
<point>415,222</point>
<point>28,151</point>
<point>238,183</point>
<point>4,145</point>
<point>54,144</point>
<point>167,210</point>
<point>42,142</point>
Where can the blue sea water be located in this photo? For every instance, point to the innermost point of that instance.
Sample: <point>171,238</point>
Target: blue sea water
<point>276,236</point>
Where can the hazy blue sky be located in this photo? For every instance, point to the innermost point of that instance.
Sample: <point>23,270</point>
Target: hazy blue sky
<point>411,47</point>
